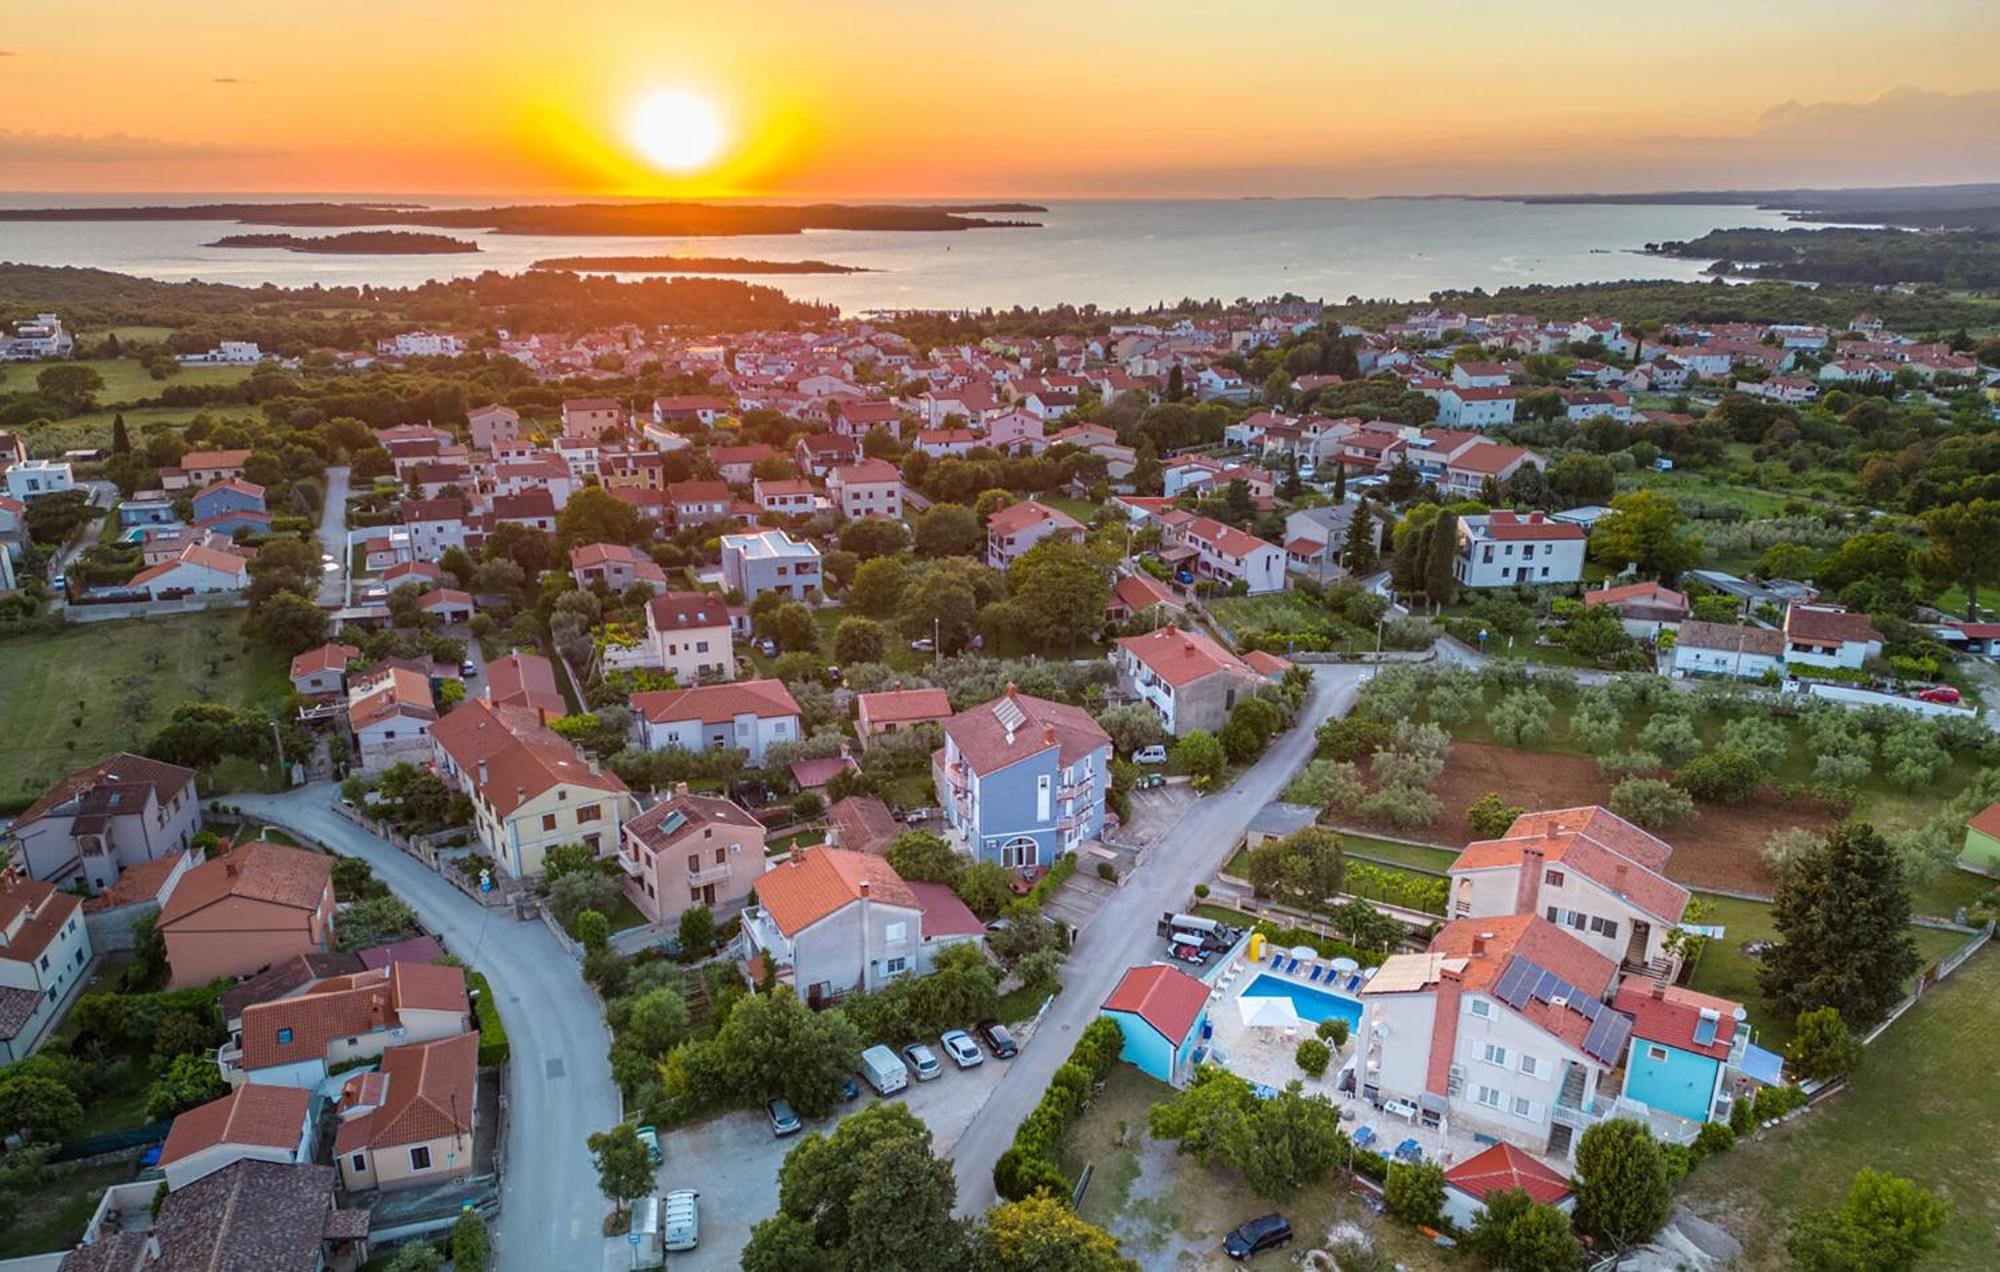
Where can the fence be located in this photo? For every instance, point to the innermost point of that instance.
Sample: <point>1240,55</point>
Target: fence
<point>1931,976</point>
<point>424,848</point>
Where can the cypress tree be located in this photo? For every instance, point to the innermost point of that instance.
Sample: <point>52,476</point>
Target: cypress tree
<point>1440,558</point>
<point>1406,574</point>
<point>1358,554</point>
<point>1340,481</point>
<point>121,441</point>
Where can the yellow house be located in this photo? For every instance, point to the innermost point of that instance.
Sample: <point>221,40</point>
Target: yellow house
<point>411,1122</point>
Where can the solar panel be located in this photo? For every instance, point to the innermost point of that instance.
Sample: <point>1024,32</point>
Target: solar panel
<point>1008,712</point>
<point>1551,987</point>
<point>1607,1038</point>
<point>1704,1030</point>
<point>1515,982</point>
<point>672,822</point>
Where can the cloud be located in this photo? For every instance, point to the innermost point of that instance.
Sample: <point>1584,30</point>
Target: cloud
<point>1901,116</point>
<point>230,79</point>
<point>32,147</point>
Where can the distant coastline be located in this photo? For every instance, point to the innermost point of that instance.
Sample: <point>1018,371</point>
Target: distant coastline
<point>1951,207</point>
<point>690,265</point>
<point>357,243</point>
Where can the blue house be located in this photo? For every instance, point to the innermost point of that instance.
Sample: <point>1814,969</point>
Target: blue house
<point>1022,780</point>
<point>232,494</point>
<point>1160,1010</point>
<point>1683,1043</point>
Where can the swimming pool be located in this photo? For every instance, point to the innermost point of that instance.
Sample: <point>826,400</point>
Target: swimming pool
<point>1311,1003</point>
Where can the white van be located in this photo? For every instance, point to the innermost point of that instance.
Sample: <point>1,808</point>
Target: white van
<point>681,1228</point>
<point>884,1070</point>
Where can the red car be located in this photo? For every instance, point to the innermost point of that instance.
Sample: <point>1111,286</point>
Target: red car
<point>1942,693</point>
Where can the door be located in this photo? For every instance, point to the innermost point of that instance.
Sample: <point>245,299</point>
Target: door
<point>1635,949</point>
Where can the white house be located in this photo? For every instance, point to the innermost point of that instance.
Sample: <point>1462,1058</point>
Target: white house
<point>1503,548</point>
<point>1728,649</point>
<point>1829,636</point>
<point>871,488</point>
<point>44,954</point>
<point>33,478</point>
<point>689,636</point>
<point>770,561</point>
<point>748,715</point>
<point>390,713</point>
<point>199,570</point>
<point>1226,553</point>
<point>1475,406</point>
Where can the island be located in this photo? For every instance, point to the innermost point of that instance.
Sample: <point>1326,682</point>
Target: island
<point>691,265</point>
<point>1966,260</point>
<point>355,243</point>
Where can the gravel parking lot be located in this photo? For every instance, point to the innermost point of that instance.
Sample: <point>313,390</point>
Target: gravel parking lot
<point>733,1160</point>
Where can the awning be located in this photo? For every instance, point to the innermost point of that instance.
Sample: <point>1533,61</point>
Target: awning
<point>1762,1066</point>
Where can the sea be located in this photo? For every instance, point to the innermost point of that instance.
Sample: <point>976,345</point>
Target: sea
<point>1120,253</point>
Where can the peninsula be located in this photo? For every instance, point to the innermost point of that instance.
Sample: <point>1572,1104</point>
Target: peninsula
<point>690,265</point>
<point>355,243</point>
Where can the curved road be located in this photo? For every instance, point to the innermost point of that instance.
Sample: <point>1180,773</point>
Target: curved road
<point>561,1086</point>
<point>1123,934</point>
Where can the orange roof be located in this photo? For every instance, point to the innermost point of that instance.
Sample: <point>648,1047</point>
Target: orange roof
<point>1266,664</point>
<point>332,656</point>
<point>896,706</point>
<point>431,1090</point>
<point>253,1114</point>
<point>213,459</point>
<point>1987,821</point>
<point>140,881</point>
<point>1601,824</point>
<point>819,881</point>
<point>398,691</point>
<point>680,611</point>
<point>1671,1015</point>
<point>276,874</point>
<point>346,1006</point>
<point>1166,998</point>
<point>867,472</point>
<point>716,704</point>
<point>1015,518</point>
<point>1584,855</point>
<point>661,825</point>
<point>101,788</point>
<point>522,757</point>
<point>1180,656</point>
<point>1504,1167</point>
<point>1487,945</point>
<point>1504,525</point>
<point>46,910</point>
<point>525,680</point>
<point>1828,624</point>
<point>1651,590</point>
<point>1140,592</point>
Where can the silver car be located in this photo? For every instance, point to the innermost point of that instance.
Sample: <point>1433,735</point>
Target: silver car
<point>964,1052</point>
<point>922,1061</point>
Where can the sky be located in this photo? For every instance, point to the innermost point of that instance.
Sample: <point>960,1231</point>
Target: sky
<point>1026,98</point>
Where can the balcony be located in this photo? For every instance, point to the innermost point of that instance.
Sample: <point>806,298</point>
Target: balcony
<point>958,776</point>
<point>628,861</point>
<point>707,875</point>
<point>229,1059</point>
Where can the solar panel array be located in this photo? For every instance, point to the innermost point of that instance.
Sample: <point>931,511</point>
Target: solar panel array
<point>672,822</point>
<point>1522,979</point>
<point>1009,713</point>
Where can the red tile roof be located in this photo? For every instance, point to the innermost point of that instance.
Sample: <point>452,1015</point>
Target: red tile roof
<point>1987,821</point>
<point>1601,824</point>
<point>1651,590</point>
<point>525,680</point>
<point>1015,518</point>
<point>275,874</point>
<point>523,758</point>
<point>680,611</point>
<point>1669,1014</point>
<point>253,1114</point>
<point>1504,1167</point>
<point>1181,656</point>
<point>1504,525</point>
<point>1587,856</point>
<point>1168,999</point>
<point>817,882</point>
<point>47,910</point>
<point>986,743</point>
<point>897,706</point>
<point>716,704</point>
<point>332,656</point>
<point>347,1006</point>
<point>944,913</point>
<point>431,1088</point>
<point>1827,624</point>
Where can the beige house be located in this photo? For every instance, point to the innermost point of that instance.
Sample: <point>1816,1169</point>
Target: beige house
<point>530,789</point>
<point>410,1123</point>
<point>691,850</point>
<point>689,635</point>
<point>896,709</point>
<point>249,910</point>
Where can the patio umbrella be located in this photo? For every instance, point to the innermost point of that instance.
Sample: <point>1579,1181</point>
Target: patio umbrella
<point>1268,1013</point>
<point>1304,952</point>
<point>1344,965</point>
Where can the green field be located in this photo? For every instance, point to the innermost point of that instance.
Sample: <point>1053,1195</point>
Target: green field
<point>1925,1103</point>
<point>79,432</point>
<point>126,381</point>
<point>106,675</point>
<point>1753,501</point>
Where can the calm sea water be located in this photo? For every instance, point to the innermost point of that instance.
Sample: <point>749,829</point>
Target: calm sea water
<point>1105,252</point>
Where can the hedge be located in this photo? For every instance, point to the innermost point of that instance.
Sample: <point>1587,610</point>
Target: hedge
<point>1029,1165</point>
<point>493,1045</point>
<point>1328,946</point>
<point>1065,867</point>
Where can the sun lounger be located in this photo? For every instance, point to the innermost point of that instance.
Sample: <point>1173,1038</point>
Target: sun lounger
<point>1314,978</point>
<point>1353,982</point>
<point>1365,1137</point>
<point>1292,967</point>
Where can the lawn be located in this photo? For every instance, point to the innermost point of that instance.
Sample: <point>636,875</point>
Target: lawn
<point>52,1216</point>
<point>1390,852</point>
<point>1925,1103</point>
<point>126,381</point>
<point>93,428</point>
<point>1705,490</point>
<point>100,688</point>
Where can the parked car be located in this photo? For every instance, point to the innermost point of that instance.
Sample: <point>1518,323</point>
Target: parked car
<point>1154,754</point>
<point>850,1090</point>
<point>883,1070</point>
<point>922,1061</point>
<point>1941,693</point>
<point>1257,1236</point>
<point>651,1139</point>
<point>768,647</point>
<point>682,1227</point>
<point>468,669</point>
<point>924,646</point>
<point>964,1052</point>
<point>783,1121</point>
<point>998,1040</point>
<point>1149,781</point>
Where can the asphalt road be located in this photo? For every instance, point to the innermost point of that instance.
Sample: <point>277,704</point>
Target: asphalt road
<point>562,1089</point>
<point>1122,935</point>
<point>333,538</point>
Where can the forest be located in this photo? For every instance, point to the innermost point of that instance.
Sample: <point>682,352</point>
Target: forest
<point>1963,259</point>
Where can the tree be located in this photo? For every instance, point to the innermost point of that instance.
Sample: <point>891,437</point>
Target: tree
<point>780,1244</point>
<point>1312,1057</point>
<point>774,1045</point>
<point>70,380</point>
<point>1131,726</point>
<point>1521,718</point>
<point>1063,590</point>
<point>1491,815</point>
<point>1280,1145</point>
<point>940,606</point>
<point>1200,755</point>
<point>1515,1233</point>
<point>948,529</point>
<point>1415,1192</point>
<point>1357,553</point>
<point>860,640</point>
<point>624,1167</point>
<point>697,932</point>
<point>1440,580</point>
<point>287,623</point>
<point>1041,1234</point>
<point>595,515</point>
<point>567,859</point>
<point>1650,802</point>
<point>188,1080</point>
<point>1842,913</point>
<point>574,893</point>
<point>1822,1046</point>
<point>1959,548</point>
<point>1726,776</point>
<point>872,1194</point>
<point>657,1022</point>
<point>1580,477</point>
<point>37,1107</point>
<point>593,931</point>
<point>415,1256</point>
<point>1622,1184</point>
<point>1643,530</point>
<point>793,628</point>
<point>873,537</point>
<point>985,887</point>
<point>471,1246</point>
<point>924,857</point>
<point>1671,736</point>
<point>878,586</point>
<point>1887,1224</point>
<point>121,439</point>
<point>375,921</point>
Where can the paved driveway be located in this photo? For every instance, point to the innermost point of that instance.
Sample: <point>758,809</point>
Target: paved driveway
<point>333,538</point>
<point>562,1090</point>
<point>733,1160</point>
<point>1122,934</point>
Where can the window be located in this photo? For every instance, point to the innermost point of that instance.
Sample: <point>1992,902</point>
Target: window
<point>694,863</point>
<point>591,813</point>
<point>285,1036</point>
<point>1492,1054</point>
<point>721,856</point>
<point>1656,1052</point>
<point>1482,1009</point>
<point>895,966</point>
<point>701,647</point>
<point>1605,927</point>
<point>895,933</point>
<point>1530,1066</point>
<point>1523,1106</point>
<point>1489,1096</point>
<point>1553,878</point>
<point>548,821</point>
<point>1042,798</point>
<point>45,962</point>
<point>420,1157</point>
<point>360,1163</point>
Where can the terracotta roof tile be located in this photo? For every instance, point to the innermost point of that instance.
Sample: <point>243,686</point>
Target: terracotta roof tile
<point>272,873</point>
<point>1669,1014</point>
<point>1164,997</point>
<point>253,1114</point>
<point>1504,1167</point>
<point>817,882</point>
<point>717,704</point>
<point>897,706</point>
<point>986,743</point>
<point>1181,656</point>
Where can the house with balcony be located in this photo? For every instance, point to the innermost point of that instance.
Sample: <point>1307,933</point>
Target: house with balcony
<point>831,922</point>
<point>45,950</point>
<point>770,561</point>
<point>617,566</point>
<point>1014,529</point>
<point>690,850</point>
<point>248,910</point>
<point>1820,635</point>
<point>1503,549</point>
<point>688,634</point>
<point>748,715</point>
<point>1586,870</point>
<point>1230,556</point>
<point>298,1041</point>
<point>1185,676</point>
<point>99,820</point>
<point>410,1123</point>
<point>1022,779</point>
<point>390,712</point>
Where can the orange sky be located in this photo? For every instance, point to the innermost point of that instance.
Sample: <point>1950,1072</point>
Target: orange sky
<point>1030,98</point>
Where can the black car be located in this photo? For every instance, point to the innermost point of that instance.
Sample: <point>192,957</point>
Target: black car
<point>1257,1236</point>
<point>998,1040</point>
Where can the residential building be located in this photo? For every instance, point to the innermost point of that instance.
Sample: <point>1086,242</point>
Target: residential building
<point>735,464</point>
<point>200,570</point>
<point>252,1123</point>
<point>1475,406</point>
<point>103,818</point>
<point>830,922</point>
<point>230,495</point>
<point>434,525</point>
<point>340,1020</point>
<point>688,408</point>
<point>1139,595</point>
<point>1982,838</point>
<point>45,953</point>
<point>632,470</point>
<point>1022,779</point>
<point>246,911</point>
<point>390,712</point>
<point>205,468</point>
<point>689,636</point>
<point>527,681</point>
<point>697,503</point>
<point>1231,556</point>
<point>1829,636</point>
<point>530,789</point>
<point>1159,1011</point>
<point>534,508</point>
<point>1014,529</point>
<point>270,1216</point>
<point>1683,1044</point>
<point>421,344</point>
<point>323,671</point>
<point>690,850</point>
<point>1502,549</point>
<point>615,565</point>
<point>939,443</point>
<point>788,497</point>
<point>451,607</point>
<point>1586,870</point>
<point>590,417</point>
<point>818,454</point>
<point>39,338</point>
<point>30,479</point>
<point>871,488</point>
<point>494,426</point>
<point>894,710</point>
<point>748,715</point>
<point>410,1124</point>
<point>1468,473</point>
<point>770,561</point>
<point>1728,649</point>
<point>1470,1184</point>
<point>1185,676</point>
<point>863,823</point>
<point>1643,608</point>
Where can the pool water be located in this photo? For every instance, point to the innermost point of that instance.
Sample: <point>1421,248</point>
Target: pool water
<point>1311,1003</point>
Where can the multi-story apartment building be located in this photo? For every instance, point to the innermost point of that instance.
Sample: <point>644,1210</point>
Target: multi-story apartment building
<point>1022,780</point>
<point>99,820</point>
<point>44,954</point>
<point>770,561</point>
<point>691,850</point>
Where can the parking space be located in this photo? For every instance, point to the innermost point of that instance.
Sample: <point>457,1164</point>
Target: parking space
<point>1079,899</point>
<point>1154,812</point>
<point>733,1160</point>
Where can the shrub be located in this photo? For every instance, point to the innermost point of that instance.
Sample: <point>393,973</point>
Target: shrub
<point>1313,1056</point>
<point>1727,776</point>
<point>1491,816</point>
<point>1352,739</point>
<point>1334,1030</point>
<point>1822,1046</point>
<point>1521,718</point>
<point>1415,1192</point>
<point>1029,1164</point>
<point>1650,802</point>
<point>1713,1138</point>
<point>1107,872</point>
<point>1200,891</point>
<point>493,1045</point>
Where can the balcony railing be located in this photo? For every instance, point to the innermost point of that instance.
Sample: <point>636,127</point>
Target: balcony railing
<point>707,875</point>
<point>629,863</point>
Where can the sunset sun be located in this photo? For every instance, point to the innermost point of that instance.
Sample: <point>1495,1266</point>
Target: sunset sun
<point>676,130</point>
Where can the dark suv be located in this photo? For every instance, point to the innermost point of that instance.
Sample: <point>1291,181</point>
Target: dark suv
<point>1257,1236</point>
<point>998,1040</point>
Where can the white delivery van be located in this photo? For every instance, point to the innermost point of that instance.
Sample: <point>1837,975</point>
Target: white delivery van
<point>681,1228</point>
<point>884,1070</point>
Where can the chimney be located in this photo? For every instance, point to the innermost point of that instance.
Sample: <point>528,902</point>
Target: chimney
<point>680,790</point>
<point>1659,990</point>
<point>1618,879</point>
<point>1479,942</point>
<point>1444,1032</point>
<point>520,795</point>
<point>864,889</point>
<point>594,766</point>
<point>482,772</point>
<point>232,867</point>
<point>1528,884</point>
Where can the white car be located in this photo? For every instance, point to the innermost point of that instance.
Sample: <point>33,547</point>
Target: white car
<point>922,1061</point>
<point>964,1052</point>
<point>1154,754</point>
<point>681,1229</point>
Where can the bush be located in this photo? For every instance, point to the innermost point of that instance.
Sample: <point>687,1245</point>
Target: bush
<point>1313,1056</point>
<point>1521,718</point>
<point>1727,776</point>
<point>1352,739</point>
<point>1491,816</point>
<point>1029,1165</point>
<point>1822,1046</point>
<point>1107,872</point>
<point>1650,802</point>
<point>493,1045</point>
<point>1415,1192</point>
<point>1334,1030</point>
<point>1713,1138</point>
